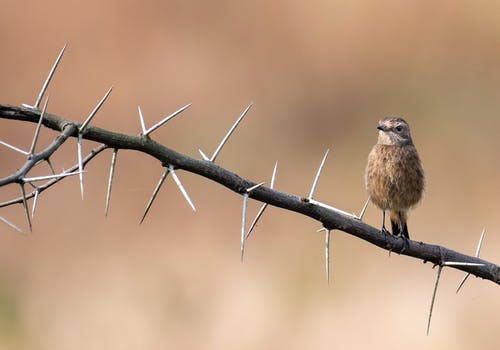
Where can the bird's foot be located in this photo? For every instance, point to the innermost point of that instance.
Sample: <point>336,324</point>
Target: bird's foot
<point>383,230</point>
<point>406,242</point>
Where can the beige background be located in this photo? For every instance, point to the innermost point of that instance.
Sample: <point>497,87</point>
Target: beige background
<point>320,75</point>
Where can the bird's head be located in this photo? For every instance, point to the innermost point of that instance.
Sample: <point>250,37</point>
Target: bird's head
<point>394,131</point>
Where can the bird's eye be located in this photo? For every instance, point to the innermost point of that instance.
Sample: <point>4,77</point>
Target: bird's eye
<point>399,128</point>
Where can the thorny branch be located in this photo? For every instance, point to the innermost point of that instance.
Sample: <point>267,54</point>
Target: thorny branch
<point>330,217</point>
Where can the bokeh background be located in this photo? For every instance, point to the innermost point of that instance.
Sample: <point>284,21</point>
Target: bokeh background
<point>320,75</point>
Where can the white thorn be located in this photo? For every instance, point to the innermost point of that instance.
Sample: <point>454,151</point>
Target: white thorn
<point>11,224</point>
<point>141,118</point>
<point>25,205</point>
<point>14,148</point>
<point>479,245</point>
<point>155,193</point>
<point>362,213</point>
<point>94,111</point>
<point>478,250</point>
<point>329,207</point>
<point>440,268</point>
<point>38,125</point>
<point>80,163</point>
<point>49,77</point>
<point>315,183</point>
<point>264,206</point>
<point>458,263</point>
<point>166,119</point>
<point>273,177</point>
<point>35,202</point>
<point>226,137</point>
<point>50,165</point>
<point>254,187</point>
<point>179,184</point>
<point>243,224</point>
<point>110,180</point>
<point>327,255</point>
<point>257,217</point>
<point>49,177</point>
<point>203,155</point>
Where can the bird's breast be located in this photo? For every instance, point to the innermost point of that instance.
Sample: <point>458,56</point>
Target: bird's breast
<point>394,176</point>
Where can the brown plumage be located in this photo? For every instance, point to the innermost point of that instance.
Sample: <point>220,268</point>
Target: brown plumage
<point>394,174</point>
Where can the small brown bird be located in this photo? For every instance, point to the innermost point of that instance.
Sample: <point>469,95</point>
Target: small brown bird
<point>394,175</point>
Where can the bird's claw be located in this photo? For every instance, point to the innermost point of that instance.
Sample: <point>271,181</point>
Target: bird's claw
<point>383,230</point>
<point>406,242</point>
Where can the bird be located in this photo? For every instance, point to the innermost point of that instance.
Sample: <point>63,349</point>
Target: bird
<point>394,176</point>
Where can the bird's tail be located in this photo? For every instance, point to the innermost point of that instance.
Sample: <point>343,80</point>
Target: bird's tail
<point>398,223</point>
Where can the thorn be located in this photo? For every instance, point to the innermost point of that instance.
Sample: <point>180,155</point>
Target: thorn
<point>264,206</point>
<point>155,192</point>
<point>35,202</point>
<point>364,209</point>
<point>478,250</point>
<point>94,111</point>
<point>327,255</point>
<point>14,148</point>
<point>37,130</point>
<point>141,118</point>
<point>49,177</point>
<point>25,205</point>
<point>203,155</point>
<point>110,180</point>
<point>49,77</point>
<point>80,135</point>
<point>329,207</point>
<point>440,268</point>
<point>243,224</point>
<point>11,224</point>
<point>80,163</point>
<point>254,187</point>
<point>166,119</point>
<point>458,263</point>
<point>480,243</point>
<point>273,177</point>
<point>226,137</point>
<point>179,184</point>
<point>257,217</point>
<point>50,165</point>
<point>315,183</point>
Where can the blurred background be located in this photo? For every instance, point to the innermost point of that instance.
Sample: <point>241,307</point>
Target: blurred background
<point>320,76</point>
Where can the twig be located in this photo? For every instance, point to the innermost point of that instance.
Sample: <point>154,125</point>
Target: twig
<point>330,217</point>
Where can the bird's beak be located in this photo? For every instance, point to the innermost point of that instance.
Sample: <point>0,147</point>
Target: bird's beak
<point>382,127</point>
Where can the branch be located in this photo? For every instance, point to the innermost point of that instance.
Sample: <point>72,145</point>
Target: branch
<point>330,217</point>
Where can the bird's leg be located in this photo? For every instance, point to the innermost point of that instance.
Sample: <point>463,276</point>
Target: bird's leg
<point>403,233</point>
<point>383,230</point>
